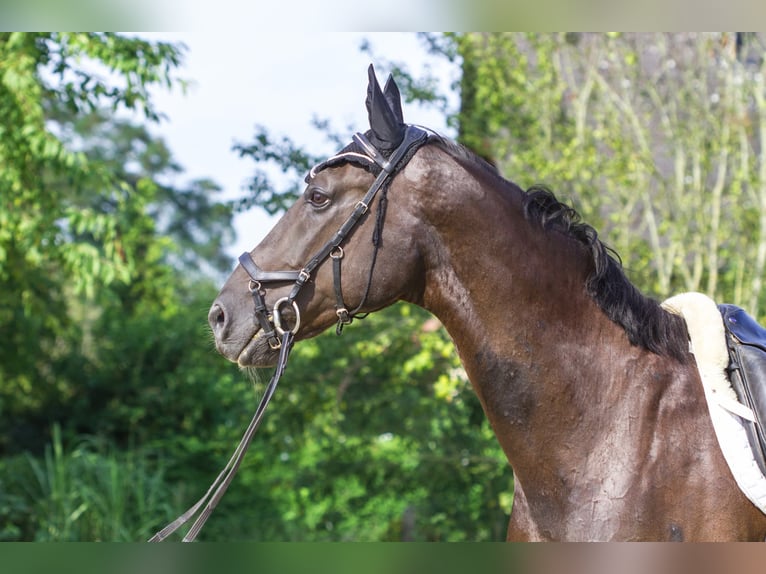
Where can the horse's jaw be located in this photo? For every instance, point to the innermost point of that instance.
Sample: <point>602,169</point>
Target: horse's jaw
<point>256,353</point>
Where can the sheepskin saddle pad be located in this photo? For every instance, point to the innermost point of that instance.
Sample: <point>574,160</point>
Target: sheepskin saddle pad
<point>729,348</point>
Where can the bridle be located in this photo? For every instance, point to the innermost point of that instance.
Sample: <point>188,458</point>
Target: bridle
<point>272,326</point>
<point>279,335</point>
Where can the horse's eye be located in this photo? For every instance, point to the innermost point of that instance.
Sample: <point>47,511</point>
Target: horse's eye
<point>317,198</point>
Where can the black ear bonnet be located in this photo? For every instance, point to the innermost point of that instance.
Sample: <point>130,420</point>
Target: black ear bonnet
<point>387,127</point>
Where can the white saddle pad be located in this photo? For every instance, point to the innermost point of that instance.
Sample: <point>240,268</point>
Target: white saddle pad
<point>708,343</point>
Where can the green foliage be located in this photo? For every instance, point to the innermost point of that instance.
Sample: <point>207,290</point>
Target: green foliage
<point>88,492</point>
<point>36,223</point>
<point>398,448</point>
<point>116,406</point>
<point>375,435</point>
<point>68,224</point>
<point>657,139</point>
<point>98,273</point>
<point>283,155</point>
<point>117,412</point>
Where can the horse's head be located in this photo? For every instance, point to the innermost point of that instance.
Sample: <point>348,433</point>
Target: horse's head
<point>336,252</point>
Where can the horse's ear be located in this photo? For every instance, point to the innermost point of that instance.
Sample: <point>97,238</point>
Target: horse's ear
<point>386,121</point>
<point>393,97</point>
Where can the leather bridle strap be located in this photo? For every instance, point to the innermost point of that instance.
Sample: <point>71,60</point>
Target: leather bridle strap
<point>219,486</point>
<point>414,137</point>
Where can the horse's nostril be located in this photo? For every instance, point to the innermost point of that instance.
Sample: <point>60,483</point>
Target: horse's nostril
<point>216,317</point>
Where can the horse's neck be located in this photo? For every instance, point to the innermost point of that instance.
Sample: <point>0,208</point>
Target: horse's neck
<point>539,352</point>
<point>590,423</point>
<point>516,317</point>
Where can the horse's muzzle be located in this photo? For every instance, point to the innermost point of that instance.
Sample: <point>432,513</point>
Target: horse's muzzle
<point>240,341</point>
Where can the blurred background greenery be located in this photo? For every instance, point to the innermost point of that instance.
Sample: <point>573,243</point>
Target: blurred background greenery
<point>116,411</point>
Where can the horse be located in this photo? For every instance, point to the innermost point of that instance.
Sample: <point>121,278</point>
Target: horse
<point>588,384</point>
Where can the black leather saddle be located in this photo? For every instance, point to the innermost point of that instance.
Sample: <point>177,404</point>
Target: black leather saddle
<point>746,342</point>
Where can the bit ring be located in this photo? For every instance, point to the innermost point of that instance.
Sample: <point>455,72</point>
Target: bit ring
<point>277,317</point>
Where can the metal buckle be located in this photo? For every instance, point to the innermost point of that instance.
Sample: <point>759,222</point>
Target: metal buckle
<point>343,316</point>
<point>274,346</point>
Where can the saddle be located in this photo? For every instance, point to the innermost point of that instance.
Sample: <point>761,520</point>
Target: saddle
<point>746,344</point>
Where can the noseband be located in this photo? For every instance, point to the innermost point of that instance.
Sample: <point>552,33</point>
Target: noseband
<point>280,337</point>
<point>272,325</point>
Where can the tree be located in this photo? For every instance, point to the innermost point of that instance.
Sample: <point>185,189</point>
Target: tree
<point>105,278</point>
<point>93,234</point>
<point>656,138</point>
<point>40,73</point>
<point>50,244</point>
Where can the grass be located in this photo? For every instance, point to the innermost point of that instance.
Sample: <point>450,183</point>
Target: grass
<point>89,492</point>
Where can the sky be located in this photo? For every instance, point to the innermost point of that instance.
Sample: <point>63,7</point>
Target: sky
<point>279,81</point>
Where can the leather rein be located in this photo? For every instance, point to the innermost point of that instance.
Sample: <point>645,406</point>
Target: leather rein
<point>279,335</point>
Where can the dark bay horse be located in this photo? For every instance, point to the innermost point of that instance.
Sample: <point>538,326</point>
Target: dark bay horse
<point>588,384</point>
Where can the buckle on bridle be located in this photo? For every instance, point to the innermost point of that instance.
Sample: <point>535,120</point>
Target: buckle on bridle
<point>274,343</point>
<point>343,316</point>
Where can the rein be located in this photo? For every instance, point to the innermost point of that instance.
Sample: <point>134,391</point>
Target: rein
<point>221,483</point>
<point>277,334</point>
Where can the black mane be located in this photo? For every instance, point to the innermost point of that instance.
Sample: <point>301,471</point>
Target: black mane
<point>644,321</point>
